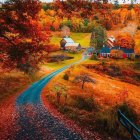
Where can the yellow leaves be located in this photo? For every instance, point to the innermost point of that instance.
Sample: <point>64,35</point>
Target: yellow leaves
<point>137,42</point>
<point>27,40</point>
<point>42,14</point>
<point>8,34</point>
<point>60,12</point>
<point>133,14</point>
<point>51,12</point>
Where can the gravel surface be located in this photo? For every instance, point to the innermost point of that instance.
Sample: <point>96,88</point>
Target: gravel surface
<point>33,120</point>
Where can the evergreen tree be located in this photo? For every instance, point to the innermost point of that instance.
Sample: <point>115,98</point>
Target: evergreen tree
<point>98,37</point>
<point>116,4</point>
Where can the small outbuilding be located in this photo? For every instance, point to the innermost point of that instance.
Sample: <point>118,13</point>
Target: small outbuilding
<point>68,44</point>
<point>64,41</point>
<point>72,47</point>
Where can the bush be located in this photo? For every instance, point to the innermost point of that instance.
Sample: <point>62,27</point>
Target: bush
<point>94,57</point>
<point>107,121</point>
<point>95,17</point>
<point>117,54</point>
<point>132,57</point>
<point>138,27</point>
<point>130,7</point>
<point>128,112</point>
<point>103,63</point>
<point>66,77</point>
<point>85,103</point>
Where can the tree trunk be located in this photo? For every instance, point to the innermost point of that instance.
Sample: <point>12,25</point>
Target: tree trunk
<point>58,97</point>
<point>83,85</point>
<point>66,98</point>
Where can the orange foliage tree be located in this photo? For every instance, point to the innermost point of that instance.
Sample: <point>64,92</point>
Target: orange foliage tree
<point>23,38</point>
<point>125,41</point>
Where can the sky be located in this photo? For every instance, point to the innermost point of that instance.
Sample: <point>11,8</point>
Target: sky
<point>112,1</point>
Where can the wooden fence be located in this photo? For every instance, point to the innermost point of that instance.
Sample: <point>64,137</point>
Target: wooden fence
<point>131,128</point>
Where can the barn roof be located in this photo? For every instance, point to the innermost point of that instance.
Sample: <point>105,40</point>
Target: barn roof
<point>72,44</point>
<point>68,40</point>
<point>125,50</point>
<point>112,39</point>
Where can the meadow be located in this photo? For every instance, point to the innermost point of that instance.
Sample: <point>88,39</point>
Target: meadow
<point>82,38</point>
<point>96,104</point>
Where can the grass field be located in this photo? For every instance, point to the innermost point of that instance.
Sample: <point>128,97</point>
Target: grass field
<point>82,38</point>
<point>105,95</point>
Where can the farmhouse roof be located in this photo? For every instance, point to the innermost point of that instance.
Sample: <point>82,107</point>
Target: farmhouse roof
<point>105,49</point>
<point>68,40</point>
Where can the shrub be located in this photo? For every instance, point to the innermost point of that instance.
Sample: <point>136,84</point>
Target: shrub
<point>95,17</point>
<point>64,109</point>
<point>128,111</point>
<point>116,54</point>
<point>107,121</point>
<point>138,27</point>
<point>132,57</point>
<point>85,103</point>
<point>130,7</point>
<point>103,62</point>
<point>73,116</point>
<point>94,57</point>
<point>66,77</point>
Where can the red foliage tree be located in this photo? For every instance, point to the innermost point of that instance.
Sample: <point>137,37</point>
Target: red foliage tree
<point>125,41</point>
<point>23,39</point>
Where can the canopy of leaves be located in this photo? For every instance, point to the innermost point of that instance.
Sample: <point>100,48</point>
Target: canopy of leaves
<point>84,78</point>
<point>60,88</point>
<point>116,54</point>
<point>125,41</point>
<point>98,37</point>
<point>23,39</point>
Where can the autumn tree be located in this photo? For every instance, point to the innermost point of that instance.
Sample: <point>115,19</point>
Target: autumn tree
<point>116,4</point>
<point>60,90</point>
<point>98,37</point>
<point>84,78</point>
<point>125,41</point>
<point>107,23</point>
<point>65,31</point>
<point>23,39</point>
<point>116,54</point>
